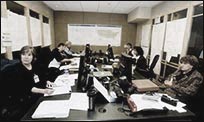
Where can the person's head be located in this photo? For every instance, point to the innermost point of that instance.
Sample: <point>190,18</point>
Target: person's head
<point>87,46</point>
<point>188,63</point>
<point>139,50</point>
<point>68,44</point>
<point>109,45</point>
<point>129,45</point>
<point>27,55</point>
<point>61,46</point>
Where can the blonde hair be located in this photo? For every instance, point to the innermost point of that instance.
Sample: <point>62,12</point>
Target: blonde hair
<point>27,49</point>
<point>67,43</point>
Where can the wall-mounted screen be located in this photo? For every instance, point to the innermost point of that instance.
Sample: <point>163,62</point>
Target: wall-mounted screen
<point>98,35</point>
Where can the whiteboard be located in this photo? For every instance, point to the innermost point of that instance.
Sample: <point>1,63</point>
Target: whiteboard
<point>157,44</point>
<point>146,29</point>
<point>98,35</point>
<point>174,37</point>
<point>46,34</point>
<point>35,31</point>
<point>17,27</point>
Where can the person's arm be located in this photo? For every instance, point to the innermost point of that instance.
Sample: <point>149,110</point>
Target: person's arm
<point>190,89</point>
<point>42,91</point>
<point>65,60</point>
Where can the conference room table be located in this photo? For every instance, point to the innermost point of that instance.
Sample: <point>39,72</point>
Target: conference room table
<point>105,111</point>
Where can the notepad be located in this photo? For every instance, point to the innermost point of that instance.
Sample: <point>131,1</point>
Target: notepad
<point>52,109</point>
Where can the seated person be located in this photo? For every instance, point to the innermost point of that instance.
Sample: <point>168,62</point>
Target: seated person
<point>23,83</point>
<point>141,62</point>
<point>128,48</point>
<point>56,54</point>
<point>186,81</point>
<point>88,53</point>
<point>67,50</point>
<point>109,52</point>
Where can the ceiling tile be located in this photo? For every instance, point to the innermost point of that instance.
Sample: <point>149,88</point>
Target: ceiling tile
<point>100,6</point>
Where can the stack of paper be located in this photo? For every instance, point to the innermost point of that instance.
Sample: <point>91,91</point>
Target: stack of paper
<point>79,101</point>
<point>52,109</point>
<point>145,104</point>
<point>142,103</point>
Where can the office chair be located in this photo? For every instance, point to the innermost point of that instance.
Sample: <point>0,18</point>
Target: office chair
<point>153,64</point>
<point>149,72</point>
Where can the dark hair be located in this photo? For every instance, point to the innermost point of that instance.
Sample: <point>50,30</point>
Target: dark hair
<point>26,49</point>
<point>190,59</point>
<point>129,44</point>
<point>88,45</point>
<point>60,44</point>
<point>139,50</point>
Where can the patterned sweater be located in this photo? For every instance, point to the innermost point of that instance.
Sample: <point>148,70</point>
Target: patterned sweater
<point>185,85</point>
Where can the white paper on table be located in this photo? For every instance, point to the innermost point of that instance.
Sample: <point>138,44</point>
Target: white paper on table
<point>178,107</point>
<point>77,55</point>
<point>145,104</point>
<point>54,63</point>
<point>52,109</point>
<point>60,90</point>
<point>149,104</point>
<point>104,91</point>
<point>107,67</point>
<point>64,79</point>
<point>79,101</point>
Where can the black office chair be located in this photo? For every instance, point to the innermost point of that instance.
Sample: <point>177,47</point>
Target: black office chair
<point>149,72</point>
<point>153,64</point>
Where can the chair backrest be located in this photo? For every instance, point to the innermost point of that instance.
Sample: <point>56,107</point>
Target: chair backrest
<point>45,56</point>
<point>154,62</point>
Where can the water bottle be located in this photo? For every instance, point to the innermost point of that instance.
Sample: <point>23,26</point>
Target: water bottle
<point>91,94</point>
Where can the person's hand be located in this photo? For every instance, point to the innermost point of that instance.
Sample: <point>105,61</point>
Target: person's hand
<point>168,83</point>
<point>48,91</point>
<point>50,84</point>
